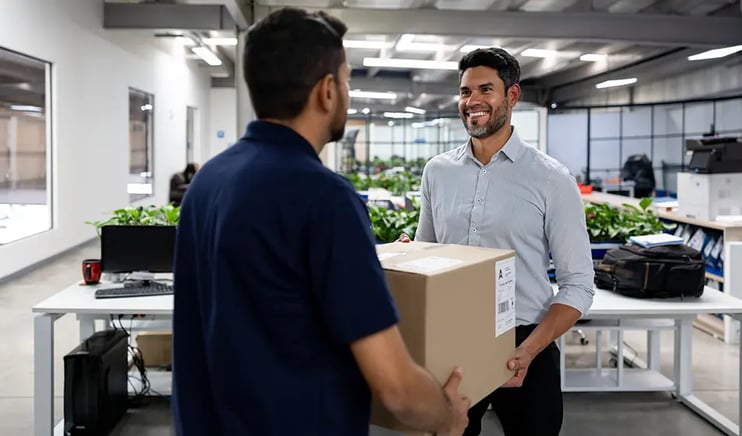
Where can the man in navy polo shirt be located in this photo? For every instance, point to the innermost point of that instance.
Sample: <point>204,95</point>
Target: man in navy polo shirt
<point>282,316</point>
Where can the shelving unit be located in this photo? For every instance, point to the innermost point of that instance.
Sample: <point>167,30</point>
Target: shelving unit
<point>724,329</point>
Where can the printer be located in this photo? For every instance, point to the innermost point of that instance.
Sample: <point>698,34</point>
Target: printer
<point>715,155</point>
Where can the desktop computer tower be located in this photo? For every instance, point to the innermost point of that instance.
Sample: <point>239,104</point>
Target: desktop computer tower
<point>95,384</point>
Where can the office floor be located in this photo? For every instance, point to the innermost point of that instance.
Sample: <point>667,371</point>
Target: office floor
<point>715,373</point>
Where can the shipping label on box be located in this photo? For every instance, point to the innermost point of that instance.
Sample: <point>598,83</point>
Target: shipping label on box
<point>505,301</point>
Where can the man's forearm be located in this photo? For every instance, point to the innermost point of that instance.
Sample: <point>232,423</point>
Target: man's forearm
<point>558,319</point>
<point>425,407</point>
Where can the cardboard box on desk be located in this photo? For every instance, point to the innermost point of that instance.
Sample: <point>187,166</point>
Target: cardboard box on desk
<point>156,347</point>
<point>457,307</point>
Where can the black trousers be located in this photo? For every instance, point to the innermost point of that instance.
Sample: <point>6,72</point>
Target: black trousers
<point>534,409</point>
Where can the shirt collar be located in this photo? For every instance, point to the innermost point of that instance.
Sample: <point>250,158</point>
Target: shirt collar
<point>281,136</point>
<point>511,150</point>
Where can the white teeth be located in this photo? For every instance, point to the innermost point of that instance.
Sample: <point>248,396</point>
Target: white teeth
<point>477,114</point>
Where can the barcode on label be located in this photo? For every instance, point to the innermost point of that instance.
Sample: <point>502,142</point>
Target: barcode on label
<point>503,307</point>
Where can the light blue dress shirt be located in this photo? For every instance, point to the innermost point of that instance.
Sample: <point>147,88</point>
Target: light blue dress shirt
<point>522,200</point>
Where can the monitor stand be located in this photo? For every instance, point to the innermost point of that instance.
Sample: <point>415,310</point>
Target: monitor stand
<point>139,279</point>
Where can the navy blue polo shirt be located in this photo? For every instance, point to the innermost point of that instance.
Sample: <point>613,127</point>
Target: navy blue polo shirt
<point>276,274</point>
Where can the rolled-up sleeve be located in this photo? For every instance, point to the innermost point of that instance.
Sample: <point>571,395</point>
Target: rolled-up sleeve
<point>425,227</point>
<point>569,243</point>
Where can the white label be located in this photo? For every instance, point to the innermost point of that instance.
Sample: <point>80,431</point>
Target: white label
<point>505,298</point>
<point>430,264</point>
<point>383,256</point>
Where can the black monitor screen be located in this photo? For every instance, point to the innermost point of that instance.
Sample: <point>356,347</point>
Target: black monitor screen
<point>137,248</point>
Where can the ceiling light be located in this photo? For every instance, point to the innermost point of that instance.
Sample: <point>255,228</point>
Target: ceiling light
<point>366,111</point>
<point>146,107</point>
<point>398,115</point>
<point>418,125</point>
<point>715,53</point>
<point>617,82</point>
<point>540,53</point>
<point>220,41</point>
<point>470,47</point>
<point>185,41</point>
<point>415,110</point>
<point>207,55</point>
<point>373,45</point>
<point>406,43</point>
<point>25,108</point>
<point>352,111</point>
<point>593,57</point>
<point>410,64</point>
<point>357,93</point>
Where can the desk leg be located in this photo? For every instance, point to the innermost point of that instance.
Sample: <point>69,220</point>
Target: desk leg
<point>43,390</point>
<point>87,326</point>
<point>653,350</point>
<point>684,356</point>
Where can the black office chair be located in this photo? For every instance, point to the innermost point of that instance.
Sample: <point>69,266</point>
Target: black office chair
<point>638,168</point>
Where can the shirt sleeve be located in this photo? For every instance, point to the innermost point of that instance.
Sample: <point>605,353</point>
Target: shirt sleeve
<point>569,243</point>
<point>425,227</point>
<point>347,276</point>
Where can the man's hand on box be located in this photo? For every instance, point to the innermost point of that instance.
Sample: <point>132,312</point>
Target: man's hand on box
<point>404,237</point>
<point>519,363</point>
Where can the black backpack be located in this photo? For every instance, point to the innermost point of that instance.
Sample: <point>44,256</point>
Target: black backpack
<point>667,271</point>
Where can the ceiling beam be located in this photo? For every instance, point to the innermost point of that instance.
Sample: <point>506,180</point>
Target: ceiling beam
<point>656,68</point>
<point>597,26</point>
<point>164,16</point>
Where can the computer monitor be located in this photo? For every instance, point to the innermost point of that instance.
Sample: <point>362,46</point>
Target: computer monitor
<point>126,249</point>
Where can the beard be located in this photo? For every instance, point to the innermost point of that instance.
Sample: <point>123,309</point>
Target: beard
<point>497,121</point>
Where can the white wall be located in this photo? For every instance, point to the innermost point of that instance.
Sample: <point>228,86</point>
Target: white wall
<point>223,108</point>
<point>92,70</point>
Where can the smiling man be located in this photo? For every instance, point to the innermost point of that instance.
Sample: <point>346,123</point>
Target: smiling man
<point>497,191</point>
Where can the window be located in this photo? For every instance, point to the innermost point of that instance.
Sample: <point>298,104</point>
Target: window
<point>25,159</point>
<point>141,108</point>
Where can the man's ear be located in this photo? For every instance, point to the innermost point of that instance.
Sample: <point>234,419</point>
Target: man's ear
<point>326,92</point>
<point>514,94</point>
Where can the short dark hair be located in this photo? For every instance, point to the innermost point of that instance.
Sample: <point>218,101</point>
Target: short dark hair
<point>286,54</point>
<point>496,58</point>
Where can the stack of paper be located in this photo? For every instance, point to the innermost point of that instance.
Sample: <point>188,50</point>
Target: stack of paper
<point>656,240</point>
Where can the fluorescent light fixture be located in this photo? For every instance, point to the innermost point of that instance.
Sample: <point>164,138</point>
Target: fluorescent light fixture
<point>398,115</point>
<point>418,125</point>
<point>540,53</point>
<point>352,111</point>
<point>415,110</point>
<point>617,82</point>
<point>220,41</point>
<point>406,43</point>
<point>185,41</point>
<point>593,57</point>
<point>357,93</point>
<point>372,45</point>
<point>207,55</point>
<point>146,107</point>
<point>390,123</point>
<point>25,108</point>
<point>410,64</point>
<point>366,111</point>
<point>715,53</point>
<point>471,47</point>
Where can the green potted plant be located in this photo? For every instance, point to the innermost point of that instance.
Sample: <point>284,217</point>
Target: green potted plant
<point>388,224</point>
<point>610,227</point>
<point>166,215</point>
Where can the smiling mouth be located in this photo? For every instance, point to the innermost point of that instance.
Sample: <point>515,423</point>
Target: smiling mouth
<point>477,115</point>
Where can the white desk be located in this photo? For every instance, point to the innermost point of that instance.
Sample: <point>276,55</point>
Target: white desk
<point>609,311</point>
<point>81,301</point>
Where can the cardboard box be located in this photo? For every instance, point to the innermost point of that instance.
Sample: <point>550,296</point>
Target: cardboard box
<point>457,308</point>
<point>156,347</point>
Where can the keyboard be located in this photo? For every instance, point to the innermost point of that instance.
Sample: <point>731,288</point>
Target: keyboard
<point>135,291</point>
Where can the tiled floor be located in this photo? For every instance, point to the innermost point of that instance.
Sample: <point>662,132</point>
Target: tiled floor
<point>715,373</point>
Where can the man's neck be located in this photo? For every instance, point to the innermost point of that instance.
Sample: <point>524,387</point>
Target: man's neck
<point>485,148</point>
<point>305,129</point>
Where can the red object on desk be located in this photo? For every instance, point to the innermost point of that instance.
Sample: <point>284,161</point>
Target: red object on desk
<point>585,189</point>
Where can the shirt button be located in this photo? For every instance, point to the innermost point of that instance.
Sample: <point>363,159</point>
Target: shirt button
<point>479,200</point>
<point>474,230</point>
<point>484,171</point>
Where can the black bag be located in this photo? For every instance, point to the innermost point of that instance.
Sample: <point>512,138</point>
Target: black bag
<point>667,271</point>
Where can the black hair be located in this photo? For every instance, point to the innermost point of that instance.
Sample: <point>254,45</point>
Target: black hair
<point>286,54</point>
<point>496,58</point>
<point>189,172</point>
